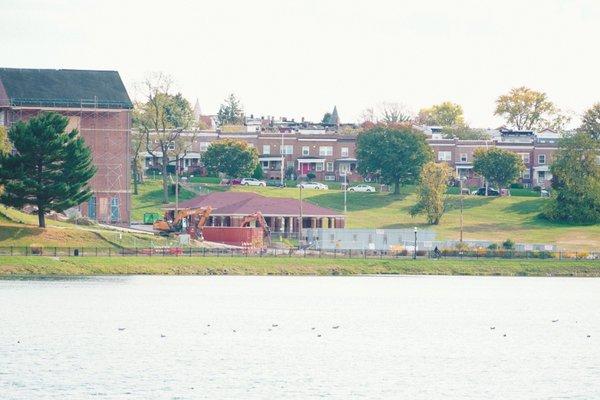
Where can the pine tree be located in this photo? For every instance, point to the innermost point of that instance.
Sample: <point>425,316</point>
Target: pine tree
<point>50,168</point>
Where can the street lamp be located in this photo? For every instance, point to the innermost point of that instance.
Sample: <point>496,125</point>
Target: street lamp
<point>415,249</point>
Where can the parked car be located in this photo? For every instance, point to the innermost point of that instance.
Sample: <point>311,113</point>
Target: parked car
<point>361,188</point>
<point>235,181</point>
<point>275,183</point>
<point>544,193</point>
<point>252,182</point>
<point>481,192</point>
<point>312,185</point>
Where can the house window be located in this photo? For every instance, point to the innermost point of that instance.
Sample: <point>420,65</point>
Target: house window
<point>266,149</point>
<point>325,150</point>
<point>463,157</point>
<point>344,152</point>
<point>444,156</point>
<point>265,164</point>
<point>541,176</point>
<point>305,150</point>
<point>526,174</point>
<point>525,157</point>
<point>114,209</point>
<point>319,167</point>
<point>330,177</point>
<point>172,146</point>
<point>329,167</point>
<point>541,159</point>
<point>204,146</point>
<point>2,118</point>
<point>344,168</point>
<point>92,207</point>
<point>287,149</point>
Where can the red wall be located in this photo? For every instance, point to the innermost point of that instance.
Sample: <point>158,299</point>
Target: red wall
<point>235,236</point>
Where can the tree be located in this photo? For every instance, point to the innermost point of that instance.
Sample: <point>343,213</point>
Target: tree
<point>431,192</point>
<point>445,114</point>
<point>50,168</point>
<point>394,113</point>
<point>575,181</point>
<point>258,172</point>
<point>590,122</point>
<point>5,146</point>
<point>138,143</point>
<point>395,154</point>
<point>162,118</point>
<point>326,120</point>
<point>233,158</point>
<point>498,167</point>
<point>230,112</point>
<point>527,109</point>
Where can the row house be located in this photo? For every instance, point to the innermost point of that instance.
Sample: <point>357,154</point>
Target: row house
<point>329,157</point>
<point>332,157</point>
<point>536,156</point>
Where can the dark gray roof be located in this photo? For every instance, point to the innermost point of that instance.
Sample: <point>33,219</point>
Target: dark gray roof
<point>64,88</point>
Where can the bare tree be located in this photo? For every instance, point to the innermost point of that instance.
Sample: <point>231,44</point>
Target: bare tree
<point>394,113</point>
<point>162,118</point>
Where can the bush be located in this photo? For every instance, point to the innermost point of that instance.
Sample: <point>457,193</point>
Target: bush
<point>508,244</point>
<point>310,176</point>
<point>493,246</point>
<point>516,186</point>
<point>537,188</point>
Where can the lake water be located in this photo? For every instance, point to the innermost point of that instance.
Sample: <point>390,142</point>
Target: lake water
<point>397,338</point>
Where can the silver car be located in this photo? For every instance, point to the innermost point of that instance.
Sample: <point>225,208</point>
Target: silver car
<point>361,188</point>
<point>312,185</point>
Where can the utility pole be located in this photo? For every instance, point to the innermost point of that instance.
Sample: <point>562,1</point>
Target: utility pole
<point>461,210</point>
<point>345,191</point>
<point>282,159</point>
<point>300,224</point>
<point>176,185</point>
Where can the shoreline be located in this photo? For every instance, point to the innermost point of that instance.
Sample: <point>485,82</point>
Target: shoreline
<point>23,266</point>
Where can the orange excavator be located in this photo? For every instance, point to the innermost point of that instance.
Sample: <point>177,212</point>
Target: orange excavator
<point>185,221</point>
<point>260,222</point>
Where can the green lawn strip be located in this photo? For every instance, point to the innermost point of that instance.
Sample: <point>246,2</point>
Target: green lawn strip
<point>35,265</point>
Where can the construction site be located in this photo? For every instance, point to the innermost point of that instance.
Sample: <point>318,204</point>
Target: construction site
<point>243,219</point>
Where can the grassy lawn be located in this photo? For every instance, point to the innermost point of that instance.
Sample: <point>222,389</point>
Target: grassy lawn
<point>20,229</point>
<point>491,218</point>
<point>150,196</point>
<point>32,265</point>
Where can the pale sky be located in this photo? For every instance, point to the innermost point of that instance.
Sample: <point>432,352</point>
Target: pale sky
<point>300,58</point>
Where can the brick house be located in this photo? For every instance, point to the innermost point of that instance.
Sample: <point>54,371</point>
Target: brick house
<point>98,105</point>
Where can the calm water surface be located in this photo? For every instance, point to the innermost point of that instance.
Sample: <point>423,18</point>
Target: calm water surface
<point>213,338</point>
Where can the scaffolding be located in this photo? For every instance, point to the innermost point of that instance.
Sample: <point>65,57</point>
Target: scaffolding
<point>106,129</point>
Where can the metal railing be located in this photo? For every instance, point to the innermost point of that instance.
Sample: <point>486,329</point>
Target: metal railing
<point>52,251</point>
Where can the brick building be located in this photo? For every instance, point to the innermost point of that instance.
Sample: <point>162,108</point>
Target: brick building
<point>283,215</point>
<point>98,105</point>
<point>330,155</point>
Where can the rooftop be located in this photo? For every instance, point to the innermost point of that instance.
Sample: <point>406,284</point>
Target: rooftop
<point>63,88</point>
<point>245,203</point>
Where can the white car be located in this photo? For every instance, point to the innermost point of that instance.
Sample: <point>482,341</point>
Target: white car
<point>252,182</point>
<point>361,188</point>
<point>312,185</point>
